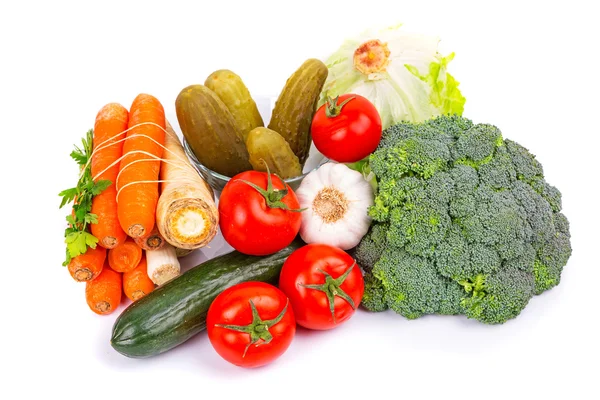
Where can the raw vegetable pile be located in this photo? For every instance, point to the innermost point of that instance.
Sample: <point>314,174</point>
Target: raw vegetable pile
<point>418,210</point>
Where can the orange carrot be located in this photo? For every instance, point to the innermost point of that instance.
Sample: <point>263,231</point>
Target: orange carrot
<point>103,294</point>
<point>110,126</point>
<point>153,241</point>
<point>125,256</point>
<point>137,186</point>
<point>88,265</point>
<point>136,283</point>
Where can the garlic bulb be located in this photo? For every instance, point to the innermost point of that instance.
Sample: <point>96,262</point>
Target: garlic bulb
<point>336,199</point>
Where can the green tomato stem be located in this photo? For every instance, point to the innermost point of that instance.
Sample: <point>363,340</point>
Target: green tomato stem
<point>273,197</point>
<point>333,109</point>
<point>257,329</point>
<point>332,288</point>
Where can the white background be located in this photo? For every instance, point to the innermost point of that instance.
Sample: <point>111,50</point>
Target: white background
<point>530,68</point>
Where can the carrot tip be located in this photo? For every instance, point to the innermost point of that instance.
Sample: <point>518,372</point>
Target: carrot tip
<point>109,242</point>
<point>103,306</point>
<point>136,230</point>
<point>83,275</point>
<point>138,294</point>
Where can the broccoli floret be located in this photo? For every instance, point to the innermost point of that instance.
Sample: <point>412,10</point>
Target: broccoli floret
<point>412,156</point>
<point>526,165</point>
<point>412,286</point>
<point>465,179</point>
<point>539,213</point>
<point>373,298</point>
<point>408,130</point>
<point>499,173</point>
<point>368,250</point>
<point>548,192</point>
<point>551,259</point>
<point>419,211</point>
<point>476,147</point>
<point>453,125</point>
<point>450,303</point>
<point>456,258</point>
<point>453,254</point>
<point>464,223</point>
<point>497,221</point>
<point>561,223</point>
<point>524,261</point>
<point>497,297</point>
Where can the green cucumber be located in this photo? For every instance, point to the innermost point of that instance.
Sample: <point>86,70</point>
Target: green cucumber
<point>176,311</point>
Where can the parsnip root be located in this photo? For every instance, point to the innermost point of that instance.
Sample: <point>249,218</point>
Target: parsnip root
<point>186,214</point>
<point>163,264</point>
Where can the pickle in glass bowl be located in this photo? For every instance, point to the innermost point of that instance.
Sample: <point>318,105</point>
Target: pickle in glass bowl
<point>211,131</point>
<point>235,95</point>
<point>268,148</point>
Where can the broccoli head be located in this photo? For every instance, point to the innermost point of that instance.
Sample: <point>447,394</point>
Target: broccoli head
<point>463,223</point>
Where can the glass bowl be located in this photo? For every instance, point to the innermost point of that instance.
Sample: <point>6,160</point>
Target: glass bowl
<point>218,181</point>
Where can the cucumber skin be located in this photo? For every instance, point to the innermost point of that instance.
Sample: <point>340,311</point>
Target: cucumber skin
<point>176,311</point>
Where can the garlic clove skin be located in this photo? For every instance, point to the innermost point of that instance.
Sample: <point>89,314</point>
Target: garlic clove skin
<point>336,199</point>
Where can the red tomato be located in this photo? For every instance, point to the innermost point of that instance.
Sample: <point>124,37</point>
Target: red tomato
<point>347,129</point>
<point>251,324</point>
<point>324,284</point>
<point>258,221</point>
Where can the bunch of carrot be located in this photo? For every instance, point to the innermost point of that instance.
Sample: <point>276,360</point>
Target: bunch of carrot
<point>127,149</point>
<point>123,270</point>
<point>136,150</point>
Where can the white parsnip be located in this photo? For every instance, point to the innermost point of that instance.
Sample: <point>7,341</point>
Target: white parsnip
<point>186,214</point>
<point>163,264</point>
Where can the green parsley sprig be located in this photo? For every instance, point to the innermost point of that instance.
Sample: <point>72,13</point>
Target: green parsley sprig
<point>77,237</point>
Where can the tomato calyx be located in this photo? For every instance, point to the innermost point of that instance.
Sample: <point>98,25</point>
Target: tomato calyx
<point>273,196</point>
<point>332,288</point>
<point>257,329</point>
<point>333,109</point>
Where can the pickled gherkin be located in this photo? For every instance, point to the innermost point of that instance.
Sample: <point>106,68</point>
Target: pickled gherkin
<point>267,147</point>
<point>296,106</point>
<point>236,96</point>
<point>211,131</point>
